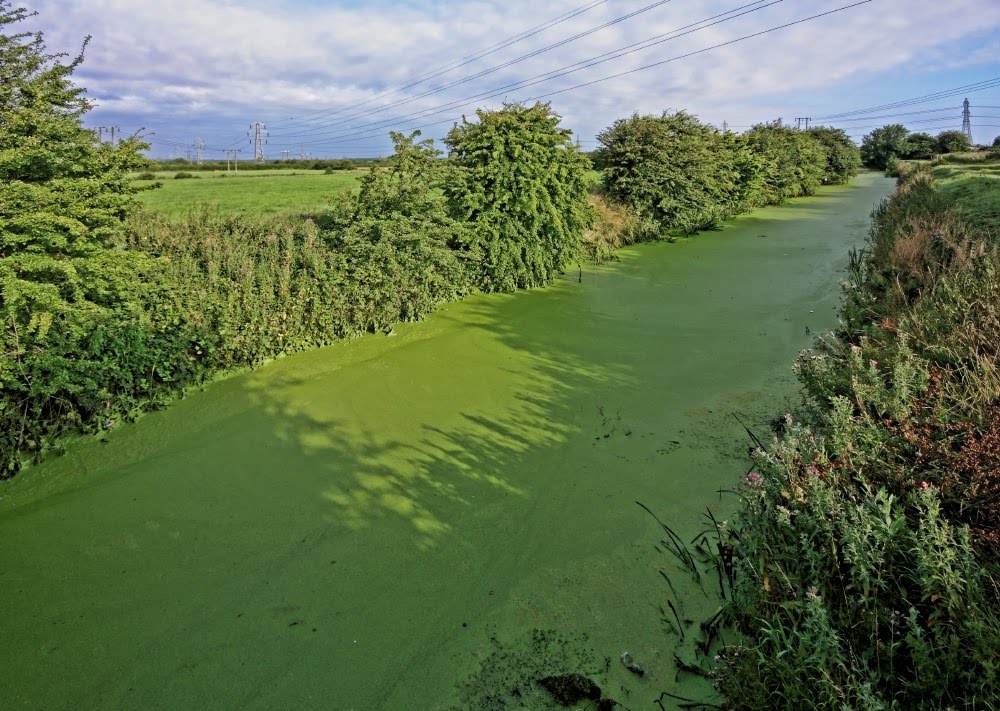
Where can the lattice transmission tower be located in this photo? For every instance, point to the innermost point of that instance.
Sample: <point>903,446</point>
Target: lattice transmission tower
<point>259,140</point>
<point>966,120</point>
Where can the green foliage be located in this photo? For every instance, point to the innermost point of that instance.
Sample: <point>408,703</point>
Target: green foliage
<point>184,176</point>
<point>522,186</point>
<point>919,146</point>
<point>883,144</point>
<point>64,282</point>
<point>843,157</point>
<point>865,562</point>
<point>676,173</point>
<point>795,163</point>
<point>952,142</point>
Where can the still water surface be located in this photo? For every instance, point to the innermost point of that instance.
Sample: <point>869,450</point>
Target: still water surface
<point>388,523</point>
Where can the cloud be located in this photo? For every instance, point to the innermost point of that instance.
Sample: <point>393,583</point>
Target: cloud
<point>209,67</point>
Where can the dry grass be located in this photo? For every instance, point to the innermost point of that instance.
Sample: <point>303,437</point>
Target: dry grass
<point>616,226</point>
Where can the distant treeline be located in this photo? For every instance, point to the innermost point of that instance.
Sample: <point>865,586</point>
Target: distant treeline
<point>884,147</point>
<point>298,164</point>
<point>677,175</point>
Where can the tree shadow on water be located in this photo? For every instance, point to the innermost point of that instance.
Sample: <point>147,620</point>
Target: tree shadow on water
<point>431,461</point>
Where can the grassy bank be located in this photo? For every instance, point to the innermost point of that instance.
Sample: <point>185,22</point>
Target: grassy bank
<point>246,193</point>
<point>863,564</point>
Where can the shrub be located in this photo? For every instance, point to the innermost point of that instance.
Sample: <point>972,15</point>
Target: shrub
<point>146,176</point>
<point>522,186</point>
<point>795,163</point>
<point>184,176</point>
<point>884,144</point>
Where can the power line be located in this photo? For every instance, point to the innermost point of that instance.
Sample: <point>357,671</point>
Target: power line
<point>504,65</point>
<point>943,94</point>
<point>503,44</point>
<point>675,58</point>
<point>557,73</point>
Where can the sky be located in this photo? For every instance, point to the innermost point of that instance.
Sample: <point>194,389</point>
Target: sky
<point>331,78</point>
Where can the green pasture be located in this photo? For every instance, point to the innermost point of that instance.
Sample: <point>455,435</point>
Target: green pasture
<point>974,180</point>
<point>249,193</point>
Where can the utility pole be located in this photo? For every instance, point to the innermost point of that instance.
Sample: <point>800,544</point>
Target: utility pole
<point>199,144</point>
<point>800,121</point>
<point>100,133</point>
<point>236,160</point>
<point>302,152</point>
<point>966,121</point>
<point>284,156</point>
<point>113,129</point>
<point>725,127</point>
<point>259,140</point>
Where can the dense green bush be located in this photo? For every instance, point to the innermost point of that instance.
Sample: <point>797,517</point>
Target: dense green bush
<point>883,144</point>
<point>795,163</point>
<point>522,186</point>
<point>677,174</point>
<point>919,146</point>
<point>66,287</point>
<point>953,142</point>
<point>843,158</point>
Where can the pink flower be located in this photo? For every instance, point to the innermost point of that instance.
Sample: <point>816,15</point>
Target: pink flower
<point>872,362</point>
<point>923,485</point>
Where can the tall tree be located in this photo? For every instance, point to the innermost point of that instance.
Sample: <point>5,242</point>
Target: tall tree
<point>522,185</point>
<point>953,142</point>
<point>795,162</point>
<point>843,158</point>
<point>883,145</point>
<point>63,199</point>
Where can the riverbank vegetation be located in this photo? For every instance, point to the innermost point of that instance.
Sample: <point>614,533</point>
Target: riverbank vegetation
<point>109,310</point>
<point>863,564</point>
<point>679,176</point>
<point>884,147</point>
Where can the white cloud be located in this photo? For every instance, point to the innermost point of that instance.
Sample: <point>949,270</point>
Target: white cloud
<point>214,65</point>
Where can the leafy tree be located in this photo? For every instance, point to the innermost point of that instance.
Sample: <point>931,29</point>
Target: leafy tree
<point>883,144</point>
<point>953,142</point>
<point>996,142</point>
<point>919,146</point>
<point>795,162</point>
<point>522,185</point>
<point>843,158</point>
<point>63,199</point>
<point>676,172</point>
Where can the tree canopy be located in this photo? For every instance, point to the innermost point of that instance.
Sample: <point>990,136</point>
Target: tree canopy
<point>522,186</point>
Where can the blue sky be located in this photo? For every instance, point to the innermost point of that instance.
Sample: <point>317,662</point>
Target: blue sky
<point>318,73</point>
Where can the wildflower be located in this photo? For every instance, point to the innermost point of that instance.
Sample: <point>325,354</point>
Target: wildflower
<point>856,349</point>
<point>813,469</point>
<point>923,485</point>
<point>872,362</point>
<point>755,480</point>
<point>812,590</point>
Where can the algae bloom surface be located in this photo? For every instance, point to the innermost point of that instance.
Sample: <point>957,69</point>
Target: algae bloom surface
<point>427,519</point>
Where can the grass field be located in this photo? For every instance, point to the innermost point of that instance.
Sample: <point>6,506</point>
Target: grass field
<point>974,179</point>
<point>250,193</point>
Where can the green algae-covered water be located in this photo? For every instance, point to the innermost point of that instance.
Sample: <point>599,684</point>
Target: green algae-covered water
<point>425,520</point>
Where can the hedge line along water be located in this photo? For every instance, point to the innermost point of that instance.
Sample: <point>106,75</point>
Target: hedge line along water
<point>427,519</point>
